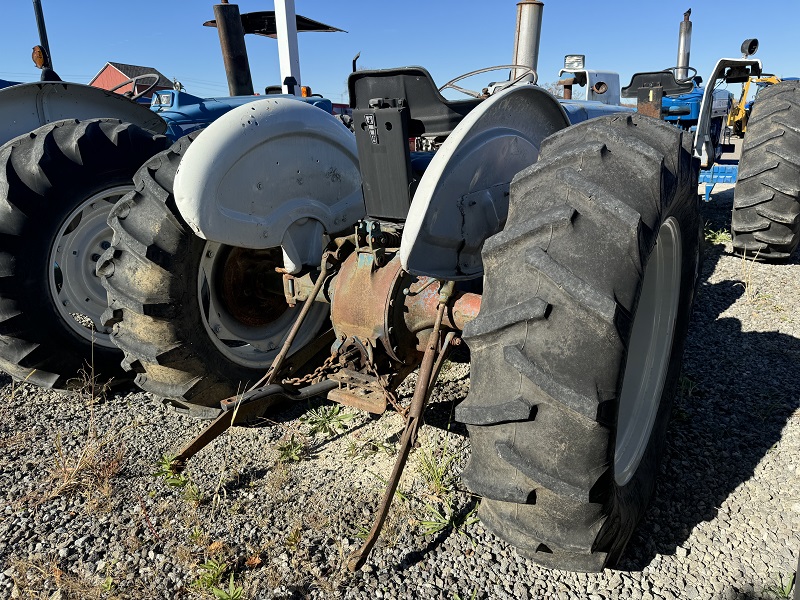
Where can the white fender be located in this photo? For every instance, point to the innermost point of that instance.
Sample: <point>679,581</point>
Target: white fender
<point>28,106</point>
<point>462,198</point>
<point>274,172</point>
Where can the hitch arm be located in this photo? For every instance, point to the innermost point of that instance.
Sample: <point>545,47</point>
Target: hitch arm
<point>428,372</point>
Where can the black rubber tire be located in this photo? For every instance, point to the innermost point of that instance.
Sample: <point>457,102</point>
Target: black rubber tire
<point>562,286</point>
<point>44,177</point>
<point>150,275</point>
<point>765,223</point>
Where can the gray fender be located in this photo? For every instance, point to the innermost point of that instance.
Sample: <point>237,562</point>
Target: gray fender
<point>462,198</point>
<point>275,172</point>
<point>28,106</point>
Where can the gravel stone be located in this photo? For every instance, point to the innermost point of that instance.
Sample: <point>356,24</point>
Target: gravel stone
<point>725,523</point>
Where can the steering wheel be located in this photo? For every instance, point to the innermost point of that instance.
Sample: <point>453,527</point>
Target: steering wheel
<point>133,81</point>
<point>688,78</point>
<point>525,72</point>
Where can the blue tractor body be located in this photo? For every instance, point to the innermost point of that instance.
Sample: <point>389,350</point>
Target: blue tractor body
<point>583,110</point>
<point>185,113</point>
<point>684,111</point>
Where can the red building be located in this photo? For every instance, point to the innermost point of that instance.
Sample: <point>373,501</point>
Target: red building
<point>114,73</point>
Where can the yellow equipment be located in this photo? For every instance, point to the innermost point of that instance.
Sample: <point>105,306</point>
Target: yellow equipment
<point>740,111</point>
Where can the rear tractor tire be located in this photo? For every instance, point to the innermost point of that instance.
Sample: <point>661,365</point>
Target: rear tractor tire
<point>577,348</point>
<point>765,224</point>
<point>178,304</point>
<point>57,186</point>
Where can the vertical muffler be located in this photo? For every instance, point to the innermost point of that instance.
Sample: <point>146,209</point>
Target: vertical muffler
<point>684,46</point>
<point>526,40</point>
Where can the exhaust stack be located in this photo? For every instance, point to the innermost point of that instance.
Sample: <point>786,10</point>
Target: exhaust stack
<point>684,46</point>
<point>234,51</point>
<point>529,30</point>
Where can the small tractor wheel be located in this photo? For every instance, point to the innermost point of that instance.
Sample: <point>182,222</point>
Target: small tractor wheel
<point>57,186</point>
<point>184,310</point>
<point>577,348</point>
<point>765,223</point>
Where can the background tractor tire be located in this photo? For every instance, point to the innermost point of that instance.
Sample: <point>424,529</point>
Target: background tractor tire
<point>577,348</point>
<point>57,186</point>
<point>187,340</point>
<point>765,223</point>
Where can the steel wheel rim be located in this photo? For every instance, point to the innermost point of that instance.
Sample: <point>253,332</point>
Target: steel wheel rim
<point>649,352</point>
<point>75,288</point>
<point>246,345</point>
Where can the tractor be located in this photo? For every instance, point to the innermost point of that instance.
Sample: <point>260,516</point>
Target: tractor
<point>279,253</point>
<point>765,220</point>
<point>69,153</point>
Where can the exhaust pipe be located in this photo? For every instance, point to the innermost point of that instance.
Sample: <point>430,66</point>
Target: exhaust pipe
<point>684,46</point>
<point>529,30</point>
<point>234,51</point>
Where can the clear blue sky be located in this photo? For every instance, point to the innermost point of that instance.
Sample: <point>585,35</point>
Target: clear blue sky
<point>448,38</point>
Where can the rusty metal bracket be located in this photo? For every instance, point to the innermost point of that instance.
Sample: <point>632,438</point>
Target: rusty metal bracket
<point>428,372</point>
<point>358,390</point>
<point>238,408</point>
<point>649,101</point>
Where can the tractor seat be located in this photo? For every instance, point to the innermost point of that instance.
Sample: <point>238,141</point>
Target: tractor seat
<point>430,113</point>
<point>662,79</point>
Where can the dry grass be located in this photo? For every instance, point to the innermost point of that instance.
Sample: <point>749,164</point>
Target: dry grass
<point>87,466</point>
<point>90,471</point>
<point>750,291</point>
<point>43,579</point>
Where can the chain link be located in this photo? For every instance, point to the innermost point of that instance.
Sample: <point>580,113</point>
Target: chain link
<point>327,367</point>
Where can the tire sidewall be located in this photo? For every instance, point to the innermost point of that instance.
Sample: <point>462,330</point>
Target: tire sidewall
<point>630,500</point>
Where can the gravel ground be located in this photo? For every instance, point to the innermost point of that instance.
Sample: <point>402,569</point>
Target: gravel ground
<point>83,516</point>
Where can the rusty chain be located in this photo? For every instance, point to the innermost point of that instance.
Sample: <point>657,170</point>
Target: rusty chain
<point>327,367</point>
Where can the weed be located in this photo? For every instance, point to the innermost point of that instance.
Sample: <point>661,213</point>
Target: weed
<point>108,584</point>
<point>277,481</point>
<point>198,536</point>
<point>232,593</point>
<point>294,538</point>
<point>292,450</point>
<point>171,478</point>
<point>211,573</point>
<point>687,386</point>
<point>362,531</point>
<point>472,596</point>
<point>17,439</point>
<point>436,470</point>
<point>448,518</point>
<point>192,494</point>
<point>327,420</point>
<point>781,589</point>
<point>41,578</point>
<point>317,520</point>
<point>364,449</point>
<point>720,236</point>
<point>679,415</point>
